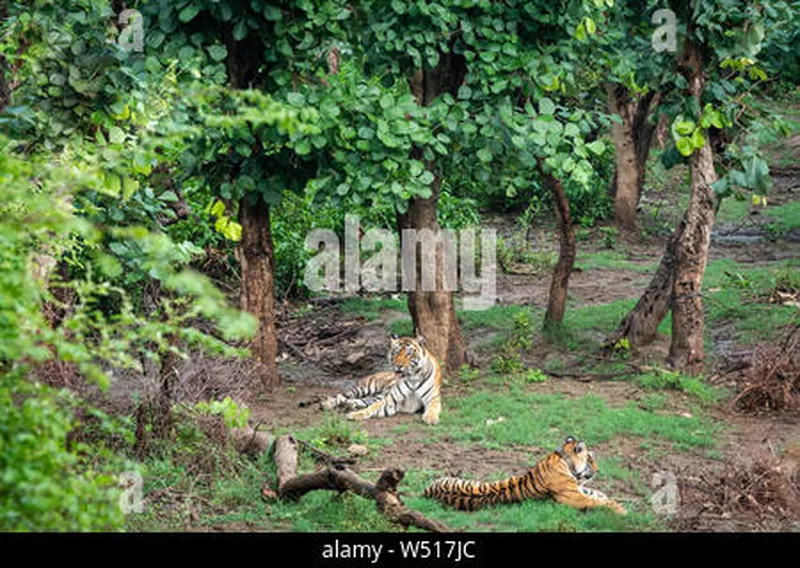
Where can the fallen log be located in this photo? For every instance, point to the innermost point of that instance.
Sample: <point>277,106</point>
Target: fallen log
<point>338,477</point>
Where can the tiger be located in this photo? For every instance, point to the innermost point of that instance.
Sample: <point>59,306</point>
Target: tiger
<point>366,391</point>
<point>413,386</point>
<point>560,476</point>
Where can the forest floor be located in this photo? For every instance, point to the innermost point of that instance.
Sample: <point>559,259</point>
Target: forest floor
<point>730,463</point>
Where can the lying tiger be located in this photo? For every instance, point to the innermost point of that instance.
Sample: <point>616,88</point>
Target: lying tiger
<point>560,475</point>
<point>414,386</point>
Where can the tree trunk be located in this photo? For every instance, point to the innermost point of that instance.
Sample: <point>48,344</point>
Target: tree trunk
<point>163,421</point>
<point>433,312</point>
<point>557,301</point>
<point>641,323</point>
<point>632,140</point>
<point>256,256</point>
<point>5,87</point>
<point>686,350</point>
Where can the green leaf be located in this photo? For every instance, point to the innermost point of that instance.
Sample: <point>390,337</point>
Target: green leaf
<point>113,183</point>
<point>302,146</point>
<point>698,140</point>
<point>188,13</point>
<point>129,187</point>
<point>218,52</point>
<point>240,30</point>
<point>386,101</point>
<point>116,135</point>
<point>720,187</point>
<point>464,92</point>
<point>597,147</point>
<point>484,155</point>
<point>273,13</point>
<point>546,106</point>
<point>580,32</point>
<point>685,146</point>
<point>426,177</point>
<point>684,127</point>
<point>571,130</point>
<point>296,99</point>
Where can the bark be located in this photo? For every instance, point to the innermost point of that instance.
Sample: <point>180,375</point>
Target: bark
<point>384,492</point>
<point>257,259</point>
<point>632,141</point>
<point>5,86</point>
<point>686,350</point>
<point>433,312</point>
<point>641,323</point>
<point>250,441</point>
<point>162,427</point>
<point>256,251</point>
<point>557,301</point>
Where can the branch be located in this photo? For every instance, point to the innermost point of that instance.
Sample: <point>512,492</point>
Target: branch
<point>341,478</point>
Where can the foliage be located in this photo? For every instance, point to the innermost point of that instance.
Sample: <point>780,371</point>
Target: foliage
<point>234,415</point>
<point>46,485</point>
<point>508,360</point>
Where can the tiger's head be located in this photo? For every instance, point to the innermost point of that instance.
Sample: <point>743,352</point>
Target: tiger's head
<point>408,355</point>
<point>579,459</point>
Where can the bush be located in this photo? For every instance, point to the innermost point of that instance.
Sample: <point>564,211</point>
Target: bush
<point>45,484</point>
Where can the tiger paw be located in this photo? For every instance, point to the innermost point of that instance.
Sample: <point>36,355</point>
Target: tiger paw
<point>617,508</point>
<point>355,416</point>
<point>430,419</point>
<point>350,404</point>
<point>328,404</point>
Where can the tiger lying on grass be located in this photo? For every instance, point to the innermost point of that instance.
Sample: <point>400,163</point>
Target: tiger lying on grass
<point>413,386</point>
<point>560,475</point>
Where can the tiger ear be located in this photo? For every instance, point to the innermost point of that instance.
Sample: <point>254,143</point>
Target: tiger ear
<point>420,340</point>
<point>393,336</point>
<point>569,440</point>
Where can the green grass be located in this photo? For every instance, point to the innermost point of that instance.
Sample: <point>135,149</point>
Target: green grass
<point>670,380</point>
<point>585,327</point>
<point>612,260</point>
<point>775,219</point>
<point>784,218</point>
<point>371,308</point>
<point>737,295</point>
<point>544,420</point>
<point>731,210</point>
<point>498,318</point>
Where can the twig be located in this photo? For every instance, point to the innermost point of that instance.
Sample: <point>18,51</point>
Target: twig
<point>326,457</point>
<point>586,377</point>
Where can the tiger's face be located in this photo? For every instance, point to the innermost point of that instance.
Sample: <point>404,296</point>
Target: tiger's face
<point>407,355</point>
<point>580,460</point>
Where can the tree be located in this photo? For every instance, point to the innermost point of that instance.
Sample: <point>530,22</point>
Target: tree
<point>244,155</point>
<point>713,77</point>
<point>475,71</point>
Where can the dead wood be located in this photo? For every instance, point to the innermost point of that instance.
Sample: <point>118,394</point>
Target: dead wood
<point>340,478</point>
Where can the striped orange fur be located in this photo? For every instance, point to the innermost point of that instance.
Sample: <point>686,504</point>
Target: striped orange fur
<point>413,386</point>
<point>559,476</point>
